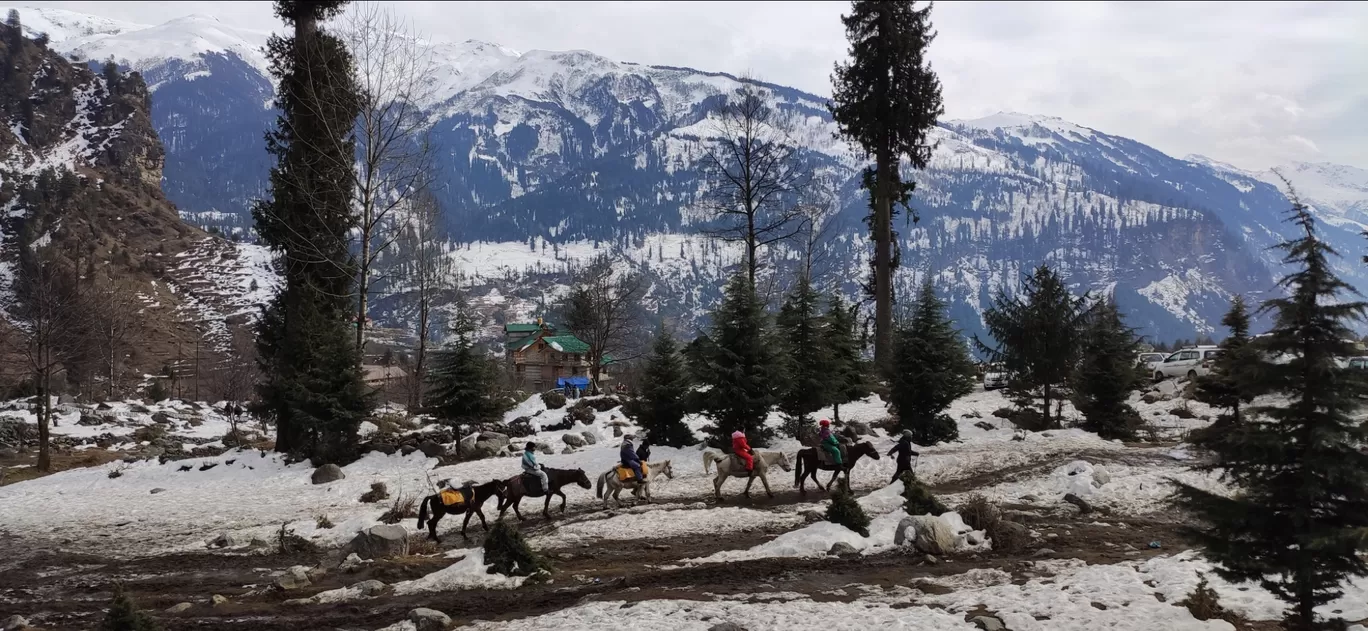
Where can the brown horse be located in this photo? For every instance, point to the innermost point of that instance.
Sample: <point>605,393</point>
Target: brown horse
<point>557,478</point>
<point>809,464</point>
<point>481,493</point>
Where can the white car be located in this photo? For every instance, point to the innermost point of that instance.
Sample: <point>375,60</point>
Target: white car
<point>994,377</point>
<point>1150,361</point>
<point>1188,362</point>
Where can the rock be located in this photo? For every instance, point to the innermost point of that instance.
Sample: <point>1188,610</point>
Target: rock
<point>985,426</point>
<point>1150,397</point>
<point>1167,386</point>
<point>930,560</point>
<point>988,623</point>
<point>217,600</point>
<point>617,432</point>
<point>407,448</point>
<point>931,535</point>
<point>496,440</point>
<point>972,539</point>
<point>88,420</point>
<point>371,588</point>
<point>431,449</point>
<point>157,490</point>
<point>161,418</point>
<point>1083,507</point>
<point>574,440</point>
<point>351,563</point>
<point>296,577</point>
<point>429,619</point>
<point>568,450</point>
<point>589,437</point>
<point>179,608</point>
<point>1165,397</point>
<point>467,445</point>
<point>328,473</point>
<point>316,574</point>
<point>228,540</point>
<point>726,626</point>
<point>14,623</point>
<point>813,515</point>
<point>380,542</point>
<point>1043,552</point>
<point>842,549</point>
<point>1100,476</point>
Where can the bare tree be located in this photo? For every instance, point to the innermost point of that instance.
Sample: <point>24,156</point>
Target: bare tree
<point>428,275</point>
<point>113,319</point>
<point>50,317</point>
<point>393,71</point>
<point>823,202</point>
<point>604,310</point>
<point>755,173</point>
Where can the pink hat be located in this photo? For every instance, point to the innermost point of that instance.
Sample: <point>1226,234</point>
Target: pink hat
<point>825,422</point>
<point>738,434</point>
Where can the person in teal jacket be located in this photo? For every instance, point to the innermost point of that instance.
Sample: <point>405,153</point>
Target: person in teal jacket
<point>827,440</point>
<point>529,465</point>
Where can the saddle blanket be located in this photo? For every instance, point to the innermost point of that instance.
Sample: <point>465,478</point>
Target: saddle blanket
<point>452,498</point>
<point>532,485</point>
<point>625,473</point>
<point>824,456</point>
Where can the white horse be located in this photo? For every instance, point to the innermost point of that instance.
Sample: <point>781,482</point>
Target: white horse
<point>615,485</point>
<point>731,467</point>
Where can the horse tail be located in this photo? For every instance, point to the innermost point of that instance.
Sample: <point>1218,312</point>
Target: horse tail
<point>599,492</point>
<point>798,469</point>
<point>423,512</point>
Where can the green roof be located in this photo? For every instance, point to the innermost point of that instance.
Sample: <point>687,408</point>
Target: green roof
<point>527,327</point>
<point>522,343</point>
<point>567,344</point>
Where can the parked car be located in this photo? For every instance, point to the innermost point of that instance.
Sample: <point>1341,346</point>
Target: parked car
<point>1188,362</point>
<point>1357,363</point>
<point>994,377</point>
<point>1149,361</point>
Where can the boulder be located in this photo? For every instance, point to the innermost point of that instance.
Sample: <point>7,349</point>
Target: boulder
<point>843,549</point>
<point>352,562</point>
<point>179,608</point>
<point>14,623</point>
<point>296,577</point>
<point>988,623</point>
<point>574,440</point>
<point>617,432</point>
<point>589,437</point>
<point>371,588</point>
<point>1149,397</point>
<point>1083,506</point>
<point>429,619</point>
<point>930,535</point>
<point>383,448</point>
<point>568,450</point>
<point>328,473</point>
<point>467,445</point>
<point>217,600</point>
<point>985,426</point>
<point>379,542</point>
<point>1100,476</point>
<point>1043,552</point>
<point>161,418</point>
<point>431,449</point>
<point>229,540</point>
<point>545,448</point>
<point>89,420</point>
<point>1167,386</point>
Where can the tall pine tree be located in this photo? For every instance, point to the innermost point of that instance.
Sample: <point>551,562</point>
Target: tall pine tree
<point>845,356</point>
<point>1037,337</point>
<point>886,99</point>
<point>1107,374</point>
<point>1230,382</point>
<point>1299,500</point>
<point>806,360</point>
<point>660,409</point>
<point>931,368</point>
<point>312,375</point>
<point>462,382</point>
<point>740,366</point>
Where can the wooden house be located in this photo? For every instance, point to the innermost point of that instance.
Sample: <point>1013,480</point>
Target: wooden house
<point>537,357</point>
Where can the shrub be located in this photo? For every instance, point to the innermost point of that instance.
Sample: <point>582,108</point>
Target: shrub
<point>287,542</point>
<point>581,413</point>
<point>1008,536</point>
<point>917,499</point>
<point>404,507</point>
<point>156,392</point>
<point>1204,603</point>
<point>323,522</point>
<point>1029,419</point>
<point>377,492</point>
<point>124,615</point>
<point>553,399</point>
<point>844,510</point>
<point>602,404</point>
<point>979,513</point>
<point>507,553</point>
<point>149,433</point>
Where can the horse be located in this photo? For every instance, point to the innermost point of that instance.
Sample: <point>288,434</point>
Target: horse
<point>556,478</point>
<point>809,464</point>
<point>763,461</point>
<point>480,492</point>
<point>615,486</point>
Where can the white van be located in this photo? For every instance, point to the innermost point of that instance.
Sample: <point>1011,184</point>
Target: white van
<point>1188,362</point>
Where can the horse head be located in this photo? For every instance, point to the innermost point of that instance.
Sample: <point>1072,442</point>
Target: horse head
<point>581,479</point>
<point>497,487</point>
<point>783,462</point>
<point>666,471</point>
<point>866,448</point>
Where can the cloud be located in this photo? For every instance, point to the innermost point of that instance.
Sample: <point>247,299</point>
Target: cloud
<point>1253,84</point>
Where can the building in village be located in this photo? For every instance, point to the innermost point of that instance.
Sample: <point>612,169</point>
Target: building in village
<point>541,359</point>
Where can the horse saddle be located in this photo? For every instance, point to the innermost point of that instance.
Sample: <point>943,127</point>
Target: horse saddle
<point>453,498</point>
<point>824,456</point>
<point>625,474</point>
<point>531,484</point>
<point>738,464</point>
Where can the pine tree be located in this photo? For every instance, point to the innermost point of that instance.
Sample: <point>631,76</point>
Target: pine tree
<point>1230,383</point>
<point>844,355</point>
<point>461,380</point>
<point>1037,336</point>
<point>124,615</point>
<point>661,407</point>
<point>312,384</point>
<point>886,99</point>
<point>1299,482</point>
<point>806,361</point>
<point>1107,374</point>
<point>740,366</point>
<point>931,368</point>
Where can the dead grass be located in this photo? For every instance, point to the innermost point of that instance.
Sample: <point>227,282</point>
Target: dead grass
<point>404,507</point>
<point>1204,604</point>
<point>979,513</point>
<point>378,491</point>
<point>323,521</point>
<point>60,462</point>
<point>420,545</point>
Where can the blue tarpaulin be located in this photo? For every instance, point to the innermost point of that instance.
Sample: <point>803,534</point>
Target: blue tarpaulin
<point>578,382</point>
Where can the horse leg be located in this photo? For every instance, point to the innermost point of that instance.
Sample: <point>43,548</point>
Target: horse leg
<point>562,496</point>
<point>765,481</point>
<point>749,482</point>
<point>437,514</point>
<point>832,481</point>
<point>465,523</point>
<point>647,489</point>
<point>717,485</point>
<point>516,511</point>
<point>546,507</point>
<point>479,511</point>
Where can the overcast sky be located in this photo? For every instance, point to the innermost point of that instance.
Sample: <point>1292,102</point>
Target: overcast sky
<point>1254,84</point>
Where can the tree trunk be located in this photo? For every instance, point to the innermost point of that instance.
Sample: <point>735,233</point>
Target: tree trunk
<point>44,421</point>
<point>836,413</point>
<point>362,286</point>
<point>883,261</point>
<point>1047,423</point>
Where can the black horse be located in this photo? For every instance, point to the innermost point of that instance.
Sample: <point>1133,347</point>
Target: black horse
<point>809,464</point>
<point>481,492</point>
<point>556,477</point>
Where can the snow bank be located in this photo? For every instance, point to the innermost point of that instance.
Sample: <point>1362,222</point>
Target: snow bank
<point>816,539</point>
<point>665,523</point>
<point>468,573</point>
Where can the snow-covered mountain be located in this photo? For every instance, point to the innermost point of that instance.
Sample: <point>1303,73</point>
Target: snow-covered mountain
<point>546,158</point>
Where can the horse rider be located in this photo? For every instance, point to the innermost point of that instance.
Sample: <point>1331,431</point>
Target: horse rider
<point>644,451</point>
<point>903,450</point>
<point>529,465</point>
<point>826,439</point>
<point>629,458</point>
<point>743,450</point>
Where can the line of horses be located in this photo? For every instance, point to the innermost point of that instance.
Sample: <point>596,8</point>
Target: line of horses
<point>512,491</point>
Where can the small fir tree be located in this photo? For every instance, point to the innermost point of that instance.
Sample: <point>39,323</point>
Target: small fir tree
<point>931,369</point>
<point>845,358</point>
<point>507,552</point>
<point>660,409</point>
<point>1299,500</point>
<point>806,361</point>
<point>844,510</point>
<point>918,499</point>
<point>1107,375</point>
<point>462,381</point>
<point>1230,382</point>
<point>740,367</point>
<point>124,615</point>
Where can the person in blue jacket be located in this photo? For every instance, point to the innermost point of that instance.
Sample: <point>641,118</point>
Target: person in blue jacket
<point>629,458</point>
<point>529,465</point>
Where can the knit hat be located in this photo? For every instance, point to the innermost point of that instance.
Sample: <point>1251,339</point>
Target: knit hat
<point>738,434</point>
<point>907,434</point>
<point>824,422</point>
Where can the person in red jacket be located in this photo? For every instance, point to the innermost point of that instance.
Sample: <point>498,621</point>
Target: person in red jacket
<point>742,449</point>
